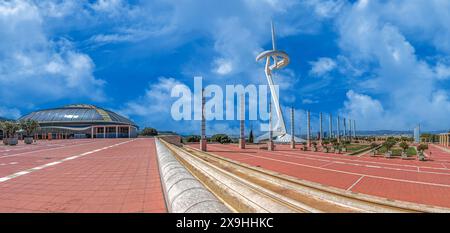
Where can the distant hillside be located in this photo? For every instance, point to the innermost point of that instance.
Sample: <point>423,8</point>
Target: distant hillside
<point>4,119</point>
<point>361,133</point>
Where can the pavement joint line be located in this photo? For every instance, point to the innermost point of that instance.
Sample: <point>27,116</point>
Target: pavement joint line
<point>310,156</point>
<point>307,156</point>
<point>353,173</point>
<point>356,182</point>
<point>21,173</point>
<point>54,148</point>
<point>388,168</point>
<point>327,164</point>
<point>40,146</point>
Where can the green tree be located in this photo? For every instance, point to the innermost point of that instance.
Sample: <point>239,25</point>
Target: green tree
<point>221,138</point>
<point>389,144</point>
<point>29,126</point>
<point>250,137</point>
<point>422,147</point>
<point>193,138</point>
<point>404,146</point>
<point>147,131</point>
<point>10,128</point>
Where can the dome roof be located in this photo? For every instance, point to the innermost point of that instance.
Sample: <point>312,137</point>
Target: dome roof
<point>77,113</point>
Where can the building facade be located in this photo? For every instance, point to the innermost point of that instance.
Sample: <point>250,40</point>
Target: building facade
<point>81,121</point>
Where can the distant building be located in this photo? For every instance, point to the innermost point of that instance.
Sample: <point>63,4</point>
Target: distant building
<point>81,121</point>
<point>417,134</point>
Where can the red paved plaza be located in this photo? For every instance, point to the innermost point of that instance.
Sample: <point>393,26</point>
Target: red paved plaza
<point>103,175</point>
<point>407,180</point>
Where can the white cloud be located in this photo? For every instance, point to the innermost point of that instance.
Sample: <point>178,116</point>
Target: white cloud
<point>322,66</point>
<point>35,69</point>
<point>327,8</point>
<point>309,101</point>
<point>442,71</point>
<point>107,5</point>
<point>363,107</point>
<point>155,104</point>
<point>404,83</point>
<point>223,66</point>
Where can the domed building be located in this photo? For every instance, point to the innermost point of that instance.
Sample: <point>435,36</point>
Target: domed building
<point>81,121</point>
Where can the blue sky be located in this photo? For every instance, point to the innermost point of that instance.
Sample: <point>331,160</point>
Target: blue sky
<point>385,64</point>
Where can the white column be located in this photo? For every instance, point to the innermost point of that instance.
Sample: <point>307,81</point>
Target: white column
<point>92,131</point>
<point>129,131</point>
<point>320,127</point>
<point>104,131</point>
<point>330,132</point>
<point>117,131</point>
<point>242,124</point>
<point>203,142</point>
<point>338,135</point>
<point>350,129</point>
<point>270,142</point>
<point>308,130</point>
<point>345,129</point>
<point>292,129</point>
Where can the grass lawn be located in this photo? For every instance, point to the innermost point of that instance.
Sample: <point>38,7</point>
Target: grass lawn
<point>382,150</point>
<point>397,151</point>
<point>411,151</point>
<point>356,147</point>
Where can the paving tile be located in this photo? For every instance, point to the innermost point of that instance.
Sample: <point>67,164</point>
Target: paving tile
<point>118,179</point>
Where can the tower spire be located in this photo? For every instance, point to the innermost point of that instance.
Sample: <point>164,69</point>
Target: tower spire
<point>273,36</point>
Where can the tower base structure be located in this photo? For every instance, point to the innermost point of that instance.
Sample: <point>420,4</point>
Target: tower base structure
<point>280,139</point>
<point>270,146</point>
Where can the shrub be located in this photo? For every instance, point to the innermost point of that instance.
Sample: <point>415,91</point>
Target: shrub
<point>221,138</point>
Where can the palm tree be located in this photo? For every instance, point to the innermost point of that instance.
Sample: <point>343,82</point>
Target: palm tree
<point>314,146</point>
<point>29,126</point>
<point>2,127</point>
<point>10,129</point>
<point>324,144</point>
<point>405,147</point>
<point>337,147</point>
<point>388,144</point>
<point>421,148</point>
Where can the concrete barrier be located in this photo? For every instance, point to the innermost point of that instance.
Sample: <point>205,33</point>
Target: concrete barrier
<point>183,192</point>
<point>173,139</point>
